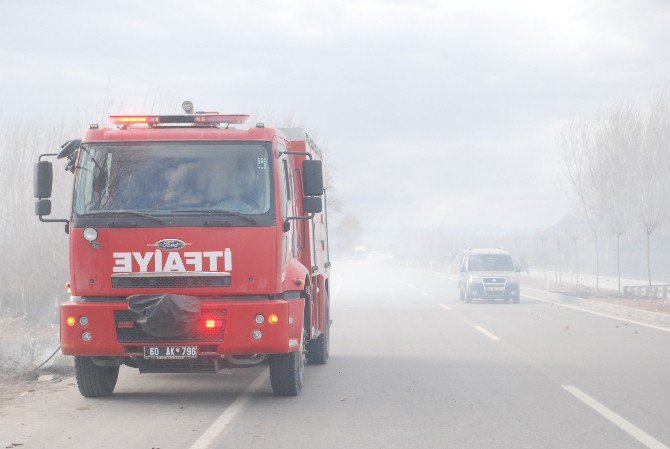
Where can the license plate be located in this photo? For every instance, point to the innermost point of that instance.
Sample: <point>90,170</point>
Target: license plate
<point>495,289</point>
<point>170,352</point>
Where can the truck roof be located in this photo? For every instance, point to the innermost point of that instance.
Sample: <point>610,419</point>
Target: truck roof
<point>171,133</point>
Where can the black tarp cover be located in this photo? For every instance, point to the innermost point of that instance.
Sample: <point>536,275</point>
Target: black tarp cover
<point>165,315</point>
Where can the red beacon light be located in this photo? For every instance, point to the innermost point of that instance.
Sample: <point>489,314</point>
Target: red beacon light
<point>203,119</point>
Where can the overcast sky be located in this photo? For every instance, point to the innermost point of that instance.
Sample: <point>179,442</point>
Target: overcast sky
<point>431,112</point>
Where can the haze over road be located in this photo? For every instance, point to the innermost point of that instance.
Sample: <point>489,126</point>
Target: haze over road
<point>410,367</point>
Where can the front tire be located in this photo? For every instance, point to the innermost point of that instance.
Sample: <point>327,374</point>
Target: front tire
<point>94,381</point>
<point>286,371</point>
<point>467,296</point>
<point>516,298</point>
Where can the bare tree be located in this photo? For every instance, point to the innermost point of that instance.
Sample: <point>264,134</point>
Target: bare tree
<point>542,236</point>
<point>559,250</point>
<point>618,163</point>
<point>34,269</point>
<point>619,140</point>
<point>650,169</point>
<point>579,144</point>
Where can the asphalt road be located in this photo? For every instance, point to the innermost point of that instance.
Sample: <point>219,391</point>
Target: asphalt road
<point>410,367</point>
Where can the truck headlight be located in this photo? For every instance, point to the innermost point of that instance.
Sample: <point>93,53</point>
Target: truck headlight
<point>91,234</point>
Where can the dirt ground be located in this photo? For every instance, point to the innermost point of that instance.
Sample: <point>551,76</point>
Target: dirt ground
<point>15,386</point>
<point>608,296</point>
<point>24,345</point>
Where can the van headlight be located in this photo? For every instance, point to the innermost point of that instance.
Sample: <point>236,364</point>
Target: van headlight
<point>474,278</point>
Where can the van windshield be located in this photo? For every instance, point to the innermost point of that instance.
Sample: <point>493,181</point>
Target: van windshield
<point>490,262</point>
<point>163,177</point>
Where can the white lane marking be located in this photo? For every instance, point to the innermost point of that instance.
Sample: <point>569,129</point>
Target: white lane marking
<point>444,306</point>
<point>487,333</point>
<point>416,288</point>
<point>623,424</point>
<point>614,317</point>
<point>229,413</point>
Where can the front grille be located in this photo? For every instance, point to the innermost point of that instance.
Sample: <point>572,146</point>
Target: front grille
<point>493,280</point>
<point>171,282</point>
<point>137,335</point>
<point>199,365</point>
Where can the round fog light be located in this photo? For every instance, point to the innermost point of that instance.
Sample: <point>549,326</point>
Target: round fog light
<point>83,321</point>
<point>259,319</point>
<point>90,234</point>
<point>256,334</point>
<point>86,336</point>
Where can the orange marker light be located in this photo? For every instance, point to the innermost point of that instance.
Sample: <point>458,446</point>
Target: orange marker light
<point>70,321</point>
<point>273,318</point>
<point>133,119</point>
<point>212,323</point>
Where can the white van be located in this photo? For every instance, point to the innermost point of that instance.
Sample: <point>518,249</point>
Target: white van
<point>488,274</point>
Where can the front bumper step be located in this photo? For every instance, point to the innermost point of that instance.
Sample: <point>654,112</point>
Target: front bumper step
<point>199,365</point>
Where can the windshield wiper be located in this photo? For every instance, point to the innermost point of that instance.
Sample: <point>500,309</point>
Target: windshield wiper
<point>214,212</point>
<point>107,213</point>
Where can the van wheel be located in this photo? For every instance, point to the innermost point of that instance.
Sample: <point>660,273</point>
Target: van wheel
<point>94,381</point>
<point>461,296</point>
<point>516,298</point>
<point>286,372</point>
<point>467,296</point>
<point>318,349</point>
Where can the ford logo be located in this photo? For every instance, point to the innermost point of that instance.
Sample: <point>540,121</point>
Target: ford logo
<point>170,244</point>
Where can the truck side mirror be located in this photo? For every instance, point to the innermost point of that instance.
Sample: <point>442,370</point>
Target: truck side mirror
<point>42,191</point>
<point>312,178</point>
<point>42,207</point>
<point>312,204</point>
<point>43,179</point>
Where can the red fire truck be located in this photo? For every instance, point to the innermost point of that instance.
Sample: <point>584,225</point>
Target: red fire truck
<point>196,243</point>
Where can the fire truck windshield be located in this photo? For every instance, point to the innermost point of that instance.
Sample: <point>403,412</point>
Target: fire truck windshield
<point>160,178</point>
